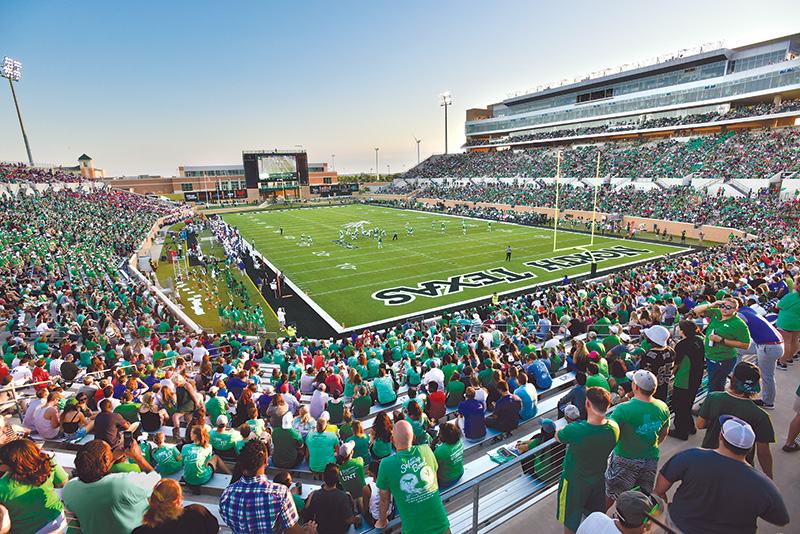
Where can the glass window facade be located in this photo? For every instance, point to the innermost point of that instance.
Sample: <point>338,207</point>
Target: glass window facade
<point>187,187</point>
<point>753,62</point>
<point>657,81</point>
<point>761,82</point>
<point>214,172</point>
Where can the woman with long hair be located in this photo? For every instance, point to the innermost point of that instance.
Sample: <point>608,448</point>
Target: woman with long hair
<point>74,424</point>
<point>242,405</point>
<point>150,415</point>
<point>419,422</point>
<point>579,356</point>
<point>303,422</point>
<point>199,461</point>
<point>26,488</point>
<point>381,433</point>
<point>167,515</point>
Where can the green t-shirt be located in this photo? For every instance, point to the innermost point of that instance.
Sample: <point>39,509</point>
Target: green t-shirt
<point>287,442</point>
<point>336,411</point>
<point>351,476</point>
<point>385,387</point>
<point>609,342</point>
<point>223,441</point>
<point>129,411</point>
<point>410,475</point>
<point>600,327</point>
<point>588,447</point>
<point>639,424</point>
<point>166,457</point>
<point>420,436</point>
<point>215,407</point>
<point>455,393</point>
<point>451,461</point>
<point>361,406</point>
<point>597,380</point>
<point>30,507</point>
<point>321,447</point>
<point>789,315</point>
<point>732,328</point>
<point>115,503</point>
<point>381,449</point>
<point>597,346</point>
<point>362,447</point>
<point>722,403</point>
<point>195,460</point>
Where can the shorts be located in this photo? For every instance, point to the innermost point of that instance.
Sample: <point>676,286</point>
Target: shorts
<point>58,524</point>
<point>189,407</point>
<point>576,500</point>
<point>624,474</point>
<point>796,406</point>
<point>76,435</point>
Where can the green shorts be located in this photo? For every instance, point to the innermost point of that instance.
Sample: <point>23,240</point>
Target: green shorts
<point>576,499</point>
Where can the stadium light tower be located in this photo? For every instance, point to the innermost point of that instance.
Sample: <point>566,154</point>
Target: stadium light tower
<point>377,171</point>
<point>333,157</point>
<point>445,99</point>
<point>11,70</point>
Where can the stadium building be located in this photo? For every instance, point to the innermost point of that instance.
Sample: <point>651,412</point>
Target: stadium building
<point>635,99</point>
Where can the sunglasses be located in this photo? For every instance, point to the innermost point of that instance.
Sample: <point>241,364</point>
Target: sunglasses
<point>726,307</point>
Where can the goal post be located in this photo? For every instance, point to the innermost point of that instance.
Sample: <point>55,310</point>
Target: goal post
<point>557,207</point>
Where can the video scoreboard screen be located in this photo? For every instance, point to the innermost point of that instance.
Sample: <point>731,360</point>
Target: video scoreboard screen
<point>271,167</point>
<point>277,167</point>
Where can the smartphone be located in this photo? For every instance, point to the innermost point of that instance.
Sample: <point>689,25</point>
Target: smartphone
<point>127,439</point>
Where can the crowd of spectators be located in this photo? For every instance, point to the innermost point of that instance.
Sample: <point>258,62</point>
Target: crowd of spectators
<point>19,173</point>
<point>760,212</point>
<point>742,112</point>
<point>491,379</point>
<point>740,154</point>
<point>70,311</point>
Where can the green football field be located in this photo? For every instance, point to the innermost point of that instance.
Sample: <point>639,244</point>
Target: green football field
<point>354,282</point>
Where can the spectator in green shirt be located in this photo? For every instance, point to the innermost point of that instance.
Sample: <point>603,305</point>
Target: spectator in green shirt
<point>129,410</point>
<point>26,489</point>
<point>724,334</point>
<point>449,455</point>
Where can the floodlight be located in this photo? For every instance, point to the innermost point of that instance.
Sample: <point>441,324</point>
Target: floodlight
<point>445,99</point>
<point>11,70</point>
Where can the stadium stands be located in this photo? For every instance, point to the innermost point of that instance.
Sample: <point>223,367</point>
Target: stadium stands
<point>755,154</point>
<point>66,294</point>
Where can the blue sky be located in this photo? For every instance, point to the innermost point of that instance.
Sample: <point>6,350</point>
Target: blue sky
<point>143,87</point>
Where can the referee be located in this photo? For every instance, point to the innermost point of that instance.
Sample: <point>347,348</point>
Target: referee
<point>508,253</point>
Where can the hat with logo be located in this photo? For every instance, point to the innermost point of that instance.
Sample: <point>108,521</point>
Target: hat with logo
<point>747,378</point>
<point>634,507</point>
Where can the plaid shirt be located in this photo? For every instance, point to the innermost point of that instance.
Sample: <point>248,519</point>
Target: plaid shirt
<point>257,506</point>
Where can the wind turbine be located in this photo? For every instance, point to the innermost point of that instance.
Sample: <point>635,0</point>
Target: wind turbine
<point>418,141</point>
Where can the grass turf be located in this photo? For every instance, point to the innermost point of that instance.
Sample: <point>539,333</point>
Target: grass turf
<point>210,316</point>
<point>344,282</point>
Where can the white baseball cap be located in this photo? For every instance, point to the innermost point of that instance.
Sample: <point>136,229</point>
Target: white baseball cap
<point>737,432</point>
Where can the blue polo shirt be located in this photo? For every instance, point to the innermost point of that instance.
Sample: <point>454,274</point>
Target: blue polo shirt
<point>761,331</point>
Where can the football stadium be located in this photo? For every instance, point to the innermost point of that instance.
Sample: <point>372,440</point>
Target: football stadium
<point>584,320</point>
